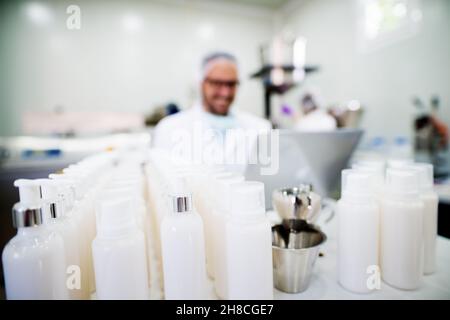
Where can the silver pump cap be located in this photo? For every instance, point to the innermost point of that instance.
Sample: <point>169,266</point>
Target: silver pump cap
<point>182,203</point>
<point>27,216</point>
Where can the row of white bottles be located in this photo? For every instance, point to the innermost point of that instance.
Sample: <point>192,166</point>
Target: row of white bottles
<point>121,248</point>
<point>51,255</point>
<point>407,211</point>
<point>86,179</point>
<point>230,222</point>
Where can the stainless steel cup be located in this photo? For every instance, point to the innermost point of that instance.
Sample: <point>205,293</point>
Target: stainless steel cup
<point>294,254</point>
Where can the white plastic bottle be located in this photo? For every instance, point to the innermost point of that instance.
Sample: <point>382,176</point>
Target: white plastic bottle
<point>139,210</point>
<point>119,255</point>
<point>248,239</point>
<point>402,230</point>
<point>60,222</point>
<point>430,218</point>
<point>33,260</point>
<point>86,212</point>
<point>67,194</point>
<point>77,212</point>
<point>205,203</point>
<point>358,215</point>
<point>219,219</point>
<point>183,252</point>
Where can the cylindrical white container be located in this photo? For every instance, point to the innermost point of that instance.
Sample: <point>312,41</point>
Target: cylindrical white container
<point>139,209</point>
<point>66,190</point>
<point>207,203</point>
<point>430,218</point>
<point>219,219</point>
<point>78,212</point>
<point>58,221</point>
<point>402,230</point>
<point>358,215</point>
<point>120,262</point>
<point>86,212</point>
<point>34,259</point>
<point>248,247</point>
<point>183,252</point>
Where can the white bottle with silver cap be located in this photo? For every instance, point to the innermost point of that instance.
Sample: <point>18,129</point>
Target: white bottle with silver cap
<point>358,215</point>
<point>33,261</point>
<point>119,255</point>
<point>74,201</point>
<point>402,230</point>
<point>248,239</point>
<point>57,220</point>
<point>183,252</point>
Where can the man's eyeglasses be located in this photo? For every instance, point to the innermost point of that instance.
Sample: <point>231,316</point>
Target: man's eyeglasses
<point>219,83</point>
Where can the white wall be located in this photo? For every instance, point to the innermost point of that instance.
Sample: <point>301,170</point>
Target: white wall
<point>385,79</point>
<point>104,66</point>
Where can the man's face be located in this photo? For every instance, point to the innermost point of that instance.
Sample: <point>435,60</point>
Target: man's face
<point>219,87</point>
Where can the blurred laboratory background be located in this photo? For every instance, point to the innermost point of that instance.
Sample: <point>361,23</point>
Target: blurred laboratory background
<point>78,77</point>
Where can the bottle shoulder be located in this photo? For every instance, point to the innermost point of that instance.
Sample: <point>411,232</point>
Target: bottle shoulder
<point>183,220</point>
<point>409,203</point>
<point>370,204</point>
<point>23,244</point>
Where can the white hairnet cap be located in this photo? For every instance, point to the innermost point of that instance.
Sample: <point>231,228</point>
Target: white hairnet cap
<point>211,58</point>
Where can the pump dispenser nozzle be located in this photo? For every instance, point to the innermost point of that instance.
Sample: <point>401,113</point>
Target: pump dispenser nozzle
<point>75,185</point>
<point>66,190</point>
<point>50,195</point>
<point>27,212</point>
<point>29,191</point>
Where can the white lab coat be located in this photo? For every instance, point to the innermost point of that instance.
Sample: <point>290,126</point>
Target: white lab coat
<point>196,129</point>
<point>317,120</point>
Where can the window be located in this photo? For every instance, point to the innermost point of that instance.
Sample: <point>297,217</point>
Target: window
<point>384,22</point>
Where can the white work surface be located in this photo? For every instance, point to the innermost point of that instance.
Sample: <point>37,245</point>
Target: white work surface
<point>324,283</point>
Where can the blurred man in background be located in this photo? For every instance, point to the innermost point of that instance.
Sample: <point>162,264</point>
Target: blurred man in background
<point>214,113</point>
